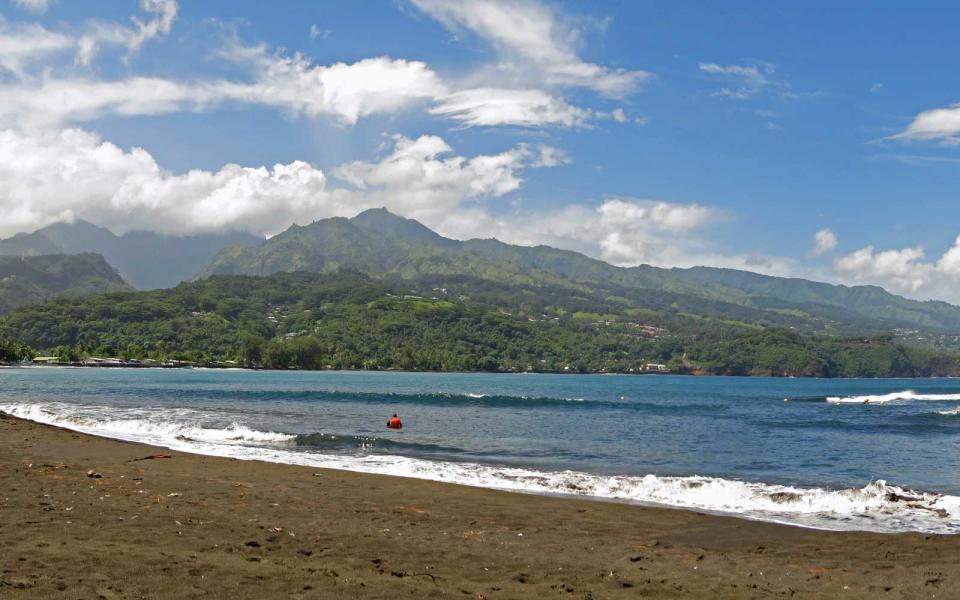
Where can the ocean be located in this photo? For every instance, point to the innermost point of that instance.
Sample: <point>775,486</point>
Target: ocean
<point>876,455</point>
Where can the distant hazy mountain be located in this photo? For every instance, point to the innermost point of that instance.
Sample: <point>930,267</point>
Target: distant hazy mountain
<point>381,244</point>
<point>28,280</point>
<point>145,259</point>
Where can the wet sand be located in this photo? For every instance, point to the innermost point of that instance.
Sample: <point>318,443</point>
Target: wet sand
<point>194,526</point>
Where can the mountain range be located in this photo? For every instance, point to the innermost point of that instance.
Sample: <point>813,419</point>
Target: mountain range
<point>144,259</point>
<point>384,245</point>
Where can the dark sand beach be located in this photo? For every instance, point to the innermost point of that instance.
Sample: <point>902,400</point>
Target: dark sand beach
<point>194,526</point>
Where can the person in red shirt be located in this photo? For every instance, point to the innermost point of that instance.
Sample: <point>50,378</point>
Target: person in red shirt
<point>394,422</point>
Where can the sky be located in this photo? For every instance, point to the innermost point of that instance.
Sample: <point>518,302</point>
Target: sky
<point>816,139</point>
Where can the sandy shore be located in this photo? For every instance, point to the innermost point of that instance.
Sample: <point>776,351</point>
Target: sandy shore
<point>195,526</point>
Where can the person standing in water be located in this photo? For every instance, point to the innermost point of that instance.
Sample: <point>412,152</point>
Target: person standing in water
<point>394,422</point>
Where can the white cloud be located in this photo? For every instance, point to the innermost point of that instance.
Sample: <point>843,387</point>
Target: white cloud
<point>634,232</point>
<point>69,174</point>
<point>34,6</point>
<point>165,12</point>
<point>317,32</point>
<point>823,241</point>
<point>29,43</point>
<point>949,263</point>
<point>533,44</point>
<point>99,33</point>
<point>622,231</point>
<point>905,271</point>
<point>618,114</point>
<point>61,175</point>
<point>422,178</point>
<point>22,44</point>
<point>900,270</point>
<point>525,108</point>
<point>346,92</point>
<point>938,124</point>
<point>749,80</point>
<point>58,101</point>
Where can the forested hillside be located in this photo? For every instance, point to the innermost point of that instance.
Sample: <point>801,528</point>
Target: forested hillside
<point>29,280</point>
<point>383,245</point>
<point>348,320</point>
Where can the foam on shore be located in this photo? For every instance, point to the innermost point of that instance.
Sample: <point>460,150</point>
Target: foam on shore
<point>902,396</point>
<point>878,506</point>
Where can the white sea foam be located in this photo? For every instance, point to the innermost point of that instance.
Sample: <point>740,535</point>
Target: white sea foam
<point>155,425</point>
<point>877,506</point>
<point>904,396</point>
<point>951,412</point>
<point>472,395</point>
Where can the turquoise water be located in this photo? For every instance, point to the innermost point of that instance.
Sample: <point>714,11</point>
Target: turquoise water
<point>714,443</point>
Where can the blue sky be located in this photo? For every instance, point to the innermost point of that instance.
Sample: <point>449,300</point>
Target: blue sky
<point>664,133</point>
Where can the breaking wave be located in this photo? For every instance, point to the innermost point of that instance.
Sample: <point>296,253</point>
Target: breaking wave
<point>878,506</point>
<point>904,396</point>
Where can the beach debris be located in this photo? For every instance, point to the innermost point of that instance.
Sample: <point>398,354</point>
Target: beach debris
<point>151,457</point>
<point>277,529</point>
<point>93,474</point>
<point>174,495</point>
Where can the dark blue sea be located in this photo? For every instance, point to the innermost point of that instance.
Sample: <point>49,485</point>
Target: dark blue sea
<point>881,455</point>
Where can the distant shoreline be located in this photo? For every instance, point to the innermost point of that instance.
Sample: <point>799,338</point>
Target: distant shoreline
<point>571,373</point>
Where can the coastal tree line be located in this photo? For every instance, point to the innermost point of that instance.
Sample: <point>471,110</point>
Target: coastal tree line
<point>348,321</point>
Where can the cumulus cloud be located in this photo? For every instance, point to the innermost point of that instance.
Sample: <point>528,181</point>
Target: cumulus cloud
<point>633,232</point>
<point>532,41</point>
<point>423,178</point>
<point>824,241</point>
<point>901,270</point>
<point>938,124</point>
<point>62,175</point>
<point>906,271</point>
<point>345,91</point>
<point>621,231</point>
<point>73,173</point>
